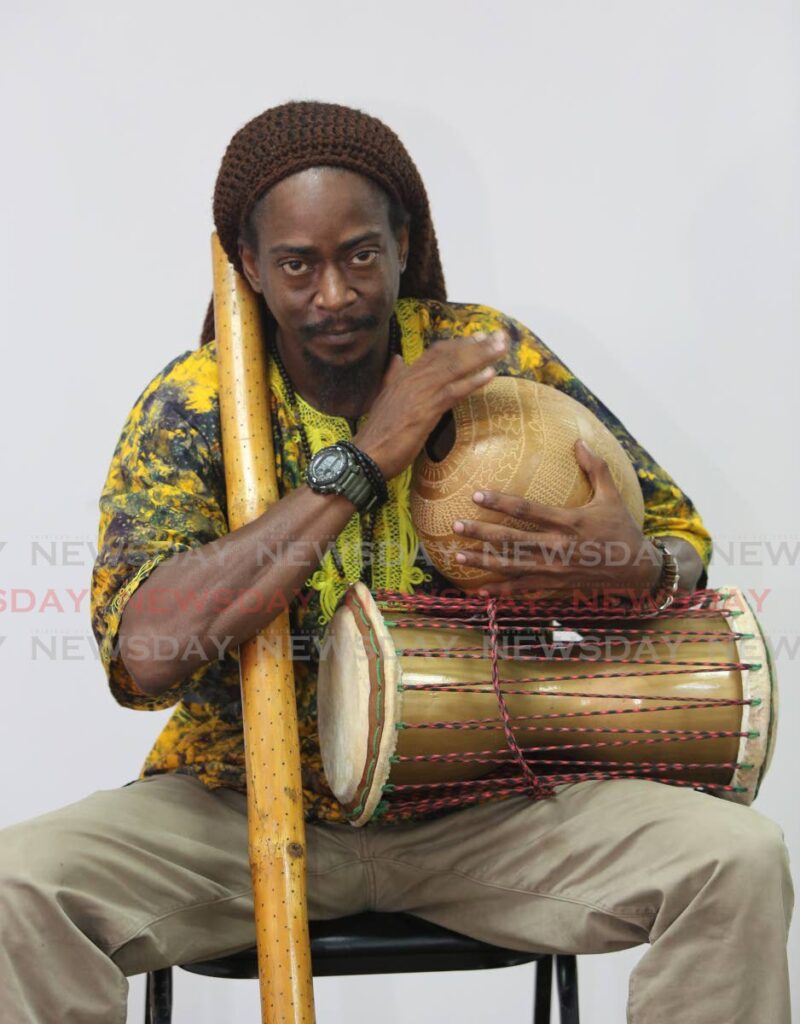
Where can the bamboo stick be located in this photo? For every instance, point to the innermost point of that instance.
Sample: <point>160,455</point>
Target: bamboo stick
<point>272,751</point>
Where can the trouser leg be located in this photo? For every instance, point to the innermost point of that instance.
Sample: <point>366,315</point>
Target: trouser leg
<point>605,866</point>
<point>131,880</point>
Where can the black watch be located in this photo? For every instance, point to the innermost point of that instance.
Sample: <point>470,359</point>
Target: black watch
<point>336,470</point>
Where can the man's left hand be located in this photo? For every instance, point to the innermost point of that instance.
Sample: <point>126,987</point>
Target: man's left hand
<point>593,547</point>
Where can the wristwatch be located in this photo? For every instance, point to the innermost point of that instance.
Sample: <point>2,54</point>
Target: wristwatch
<point>336,470</point>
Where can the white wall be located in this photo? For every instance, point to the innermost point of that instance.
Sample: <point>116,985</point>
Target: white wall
<point>621,176</point>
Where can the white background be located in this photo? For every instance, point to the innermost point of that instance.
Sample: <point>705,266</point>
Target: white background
<point>622,176</point>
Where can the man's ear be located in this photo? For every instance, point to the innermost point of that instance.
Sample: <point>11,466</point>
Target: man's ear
<point>402,246</point>
<point>250,266</point>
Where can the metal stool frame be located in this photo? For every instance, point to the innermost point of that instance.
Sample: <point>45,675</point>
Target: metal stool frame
<point>388,944</point>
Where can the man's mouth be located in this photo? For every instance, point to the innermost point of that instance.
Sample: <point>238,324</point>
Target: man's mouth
<point>337,332</point>
<point>339,329</point>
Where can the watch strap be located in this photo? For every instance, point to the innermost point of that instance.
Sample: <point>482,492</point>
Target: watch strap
<point>373,471</point>
<point>354,484</point>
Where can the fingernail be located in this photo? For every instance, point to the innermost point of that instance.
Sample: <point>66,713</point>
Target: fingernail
<point>586,446</point>
<point>478,496</point>
<point>461,558</point>
<point>499,344</point>
<point>458,526</point>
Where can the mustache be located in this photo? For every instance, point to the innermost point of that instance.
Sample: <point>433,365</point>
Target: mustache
<point>332,324</point>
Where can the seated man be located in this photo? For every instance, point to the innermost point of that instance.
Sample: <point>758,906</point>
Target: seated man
<point>322,209</point>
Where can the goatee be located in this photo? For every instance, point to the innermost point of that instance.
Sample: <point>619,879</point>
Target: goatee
<point>343,385</point>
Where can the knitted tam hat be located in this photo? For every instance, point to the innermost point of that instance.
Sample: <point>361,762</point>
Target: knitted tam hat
<point>299,135</point>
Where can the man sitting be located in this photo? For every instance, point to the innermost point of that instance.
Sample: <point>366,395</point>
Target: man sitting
<point>322,209</point>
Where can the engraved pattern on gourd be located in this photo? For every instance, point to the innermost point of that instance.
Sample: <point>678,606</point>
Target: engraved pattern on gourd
<point>518,437</point>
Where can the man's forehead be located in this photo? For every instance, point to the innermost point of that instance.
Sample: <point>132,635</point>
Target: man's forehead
<point>323,196</point>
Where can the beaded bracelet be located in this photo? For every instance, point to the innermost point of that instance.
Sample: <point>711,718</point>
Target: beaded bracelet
<point>668,580</point>
<point>372,471</point>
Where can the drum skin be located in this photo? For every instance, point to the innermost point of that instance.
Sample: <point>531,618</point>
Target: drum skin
<point>378,659</point>
<point>516,436</point>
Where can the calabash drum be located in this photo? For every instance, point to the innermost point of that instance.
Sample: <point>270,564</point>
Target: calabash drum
<point>427,703</point>
<point>516,436</point>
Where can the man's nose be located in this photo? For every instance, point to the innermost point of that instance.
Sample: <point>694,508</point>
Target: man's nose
<point>334,293</point>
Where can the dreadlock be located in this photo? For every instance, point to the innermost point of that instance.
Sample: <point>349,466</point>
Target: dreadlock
<point>299,135</point>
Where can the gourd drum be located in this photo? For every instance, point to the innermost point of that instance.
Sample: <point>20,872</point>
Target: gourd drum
<point>516,436</point>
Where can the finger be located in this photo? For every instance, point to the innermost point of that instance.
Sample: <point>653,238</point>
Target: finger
<point>449,392</point>
<point>393,370</point>
<point>498,533</point>
<point>458,357</point>
<point>595,468</point>
<point>532,587</point>
<point>511,560</point>
<point>524,509</point>
<point>506,562</point>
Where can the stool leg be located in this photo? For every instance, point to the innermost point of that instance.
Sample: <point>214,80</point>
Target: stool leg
<point>567,984</point>
<point>158,997</point>
<point>543,990</point>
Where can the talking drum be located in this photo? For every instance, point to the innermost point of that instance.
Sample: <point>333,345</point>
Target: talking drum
<point>428,703</point>
<point>516,436</point>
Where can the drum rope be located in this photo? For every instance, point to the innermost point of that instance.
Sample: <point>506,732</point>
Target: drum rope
<point>470,625</point>
<point>711,667</point>
<point>540,748</point>
<point>652,766</point>
<point>700,604</point>
<point>538,788</point>
<point>405,808</point>
<point>478,653</point>
<point>478,723</point>
<point>500,756</point>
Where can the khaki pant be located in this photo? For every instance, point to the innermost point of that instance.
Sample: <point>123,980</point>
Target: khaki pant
<point>156,873</point>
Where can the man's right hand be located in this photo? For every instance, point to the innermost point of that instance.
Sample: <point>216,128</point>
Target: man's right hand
<point>413,398</point>
<point>266,563</point>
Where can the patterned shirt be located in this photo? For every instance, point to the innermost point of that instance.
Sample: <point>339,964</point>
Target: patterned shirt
<point>165,493</point>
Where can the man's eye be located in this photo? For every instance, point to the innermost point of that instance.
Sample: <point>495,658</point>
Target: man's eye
<point>294,267</point>
<point>365,257</point>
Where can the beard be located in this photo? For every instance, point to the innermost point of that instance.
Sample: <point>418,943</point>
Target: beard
<point>338,385</point>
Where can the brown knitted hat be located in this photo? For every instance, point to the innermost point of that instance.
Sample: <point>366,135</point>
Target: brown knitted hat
<point>299,135</point>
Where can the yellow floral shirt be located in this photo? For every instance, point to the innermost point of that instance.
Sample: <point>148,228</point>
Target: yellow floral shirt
<point>165,493</point>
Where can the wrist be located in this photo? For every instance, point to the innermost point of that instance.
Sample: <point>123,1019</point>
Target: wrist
<point>652,566</point>
<point>372,470</point>
<point>375,452</point>
<point>666,585</point>
<point>338,470</point>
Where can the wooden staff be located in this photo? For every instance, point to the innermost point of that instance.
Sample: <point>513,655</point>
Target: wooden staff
<point>272,750</point>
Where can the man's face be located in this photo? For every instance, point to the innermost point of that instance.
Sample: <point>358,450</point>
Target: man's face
<point>328,265</point>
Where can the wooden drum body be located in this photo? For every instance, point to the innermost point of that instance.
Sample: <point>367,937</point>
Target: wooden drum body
<point>427,703</point>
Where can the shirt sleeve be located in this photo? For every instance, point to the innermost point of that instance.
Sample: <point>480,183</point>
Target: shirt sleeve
<point>164,494</point>
<point>669,512</point>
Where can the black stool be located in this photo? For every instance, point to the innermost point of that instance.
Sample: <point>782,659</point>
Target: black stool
<point>387,944</point>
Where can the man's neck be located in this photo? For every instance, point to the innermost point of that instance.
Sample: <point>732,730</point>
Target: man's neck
<point>346,391</point>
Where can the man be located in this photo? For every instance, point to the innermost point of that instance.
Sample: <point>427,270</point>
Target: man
<point>324,212</point>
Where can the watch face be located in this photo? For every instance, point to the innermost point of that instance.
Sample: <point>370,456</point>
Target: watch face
<point>329,466</point>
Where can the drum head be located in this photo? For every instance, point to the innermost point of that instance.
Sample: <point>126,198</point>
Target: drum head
<point>358,704</point>
<point>759,688</point>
